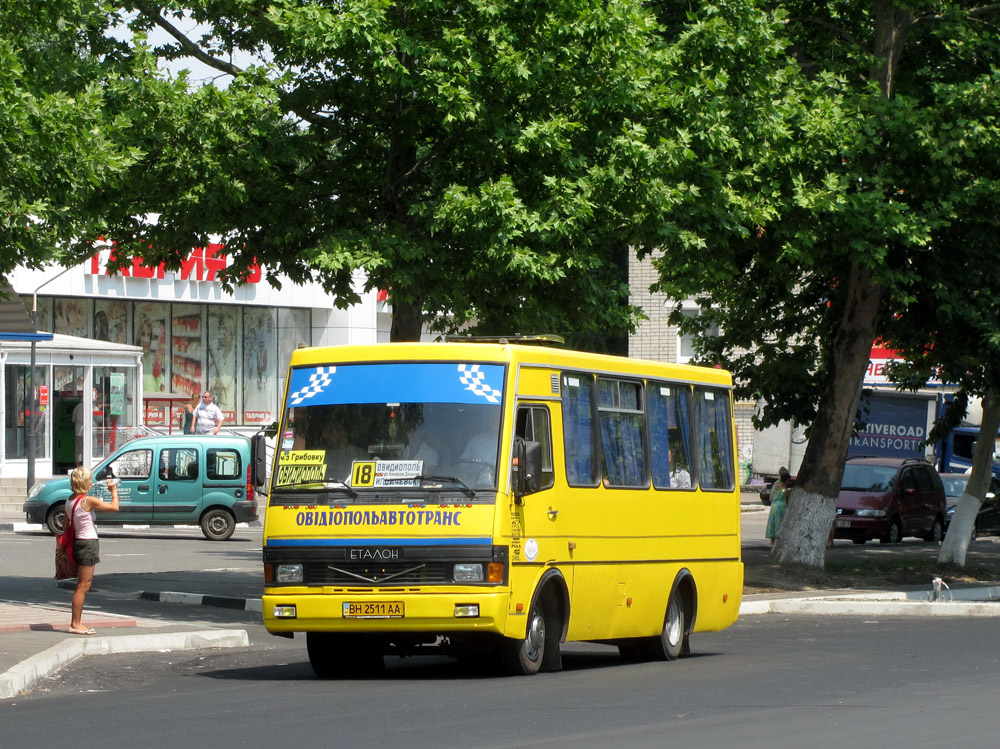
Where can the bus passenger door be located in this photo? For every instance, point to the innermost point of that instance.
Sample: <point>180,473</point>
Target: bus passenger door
<point>541,539</point>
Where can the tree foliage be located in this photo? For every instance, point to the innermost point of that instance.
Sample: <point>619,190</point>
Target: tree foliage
<point>476,158</point>
<point>840,188</point>
<point>59,144</point>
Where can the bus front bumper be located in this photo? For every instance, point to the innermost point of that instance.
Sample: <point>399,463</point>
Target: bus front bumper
<point>386,612</point>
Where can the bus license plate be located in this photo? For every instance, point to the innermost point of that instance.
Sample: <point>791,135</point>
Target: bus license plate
<point>843,523</point>
<point>373,609</point>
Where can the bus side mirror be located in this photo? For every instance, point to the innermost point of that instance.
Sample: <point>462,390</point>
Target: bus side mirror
<point>258,459</point>
<point>527,468</point>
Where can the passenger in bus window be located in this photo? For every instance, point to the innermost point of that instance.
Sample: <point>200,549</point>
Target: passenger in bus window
<point>679,477</point>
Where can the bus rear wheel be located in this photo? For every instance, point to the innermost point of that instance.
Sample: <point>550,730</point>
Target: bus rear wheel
<point>334,655</point>
<point>669,645</point>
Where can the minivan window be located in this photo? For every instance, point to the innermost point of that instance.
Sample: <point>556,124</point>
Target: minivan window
<point>907,481</point>
<point>222,464</point>
<point>179,464</point>
<point>924,483</point>
<point>865,478</point>
<point>133,464</point>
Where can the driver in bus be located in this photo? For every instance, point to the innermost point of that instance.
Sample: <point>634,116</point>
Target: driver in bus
<point>340,452</point>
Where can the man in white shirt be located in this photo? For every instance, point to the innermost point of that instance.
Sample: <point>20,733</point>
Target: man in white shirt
<point>207,416</point>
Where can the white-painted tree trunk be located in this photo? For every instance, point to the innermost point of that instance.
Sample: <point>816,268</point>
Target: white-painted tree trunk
<point>956,543</point>
<point>805,528</point>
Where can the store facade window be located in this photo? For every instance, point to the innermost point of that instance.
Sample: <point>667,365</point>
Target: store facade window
<point>224,347</point>
<point>239,354</point>
<point>25,405</point>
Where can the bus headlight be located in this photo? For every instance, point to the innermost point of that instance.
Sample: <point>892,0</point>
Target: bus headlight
<point>289,573</point>
<point>468,573</point>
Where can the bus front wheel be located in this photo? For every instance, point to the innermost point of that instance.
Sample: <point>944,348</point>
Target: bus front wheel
<point>539,646</point>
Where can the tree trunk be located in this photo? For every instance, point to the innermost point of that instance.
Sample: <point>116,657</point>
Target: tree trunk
<point>811,502</point>
<point>407,320</point>
<point>956,542</point>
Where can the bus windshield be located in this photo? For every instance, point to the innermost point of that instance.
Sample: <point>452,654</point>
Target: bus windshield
<point>390,427</point>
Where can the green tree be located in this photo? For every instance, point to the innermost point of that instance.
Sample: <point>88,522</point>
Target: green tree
<point>951,330</point>
<point>60,146</point>
<point>474,158</point>
<point>838,176</point>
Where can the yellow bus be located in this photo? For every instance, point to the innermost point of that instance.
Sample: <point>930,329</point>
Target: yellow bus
<point>499,498</point>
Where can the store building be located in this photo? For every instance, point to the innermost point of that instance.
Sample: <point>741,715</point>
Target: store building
<point>143,330</point>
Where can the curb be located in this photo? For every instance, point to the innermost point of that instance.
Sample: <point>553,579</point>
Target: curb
<point>30,671</point>
<point>201,599</point>
<point>868,608</point>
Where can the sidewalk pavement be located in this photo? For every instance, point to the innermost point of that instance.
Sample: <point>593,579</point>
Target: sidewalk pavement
<point>35,643</point>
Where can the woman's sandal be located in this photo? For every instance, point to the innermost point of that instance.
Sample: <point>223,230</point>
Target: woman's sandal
<point>82,631</point>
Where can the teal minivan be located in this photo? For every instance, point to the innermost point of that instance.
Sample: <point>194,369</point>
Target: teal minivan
<point>186,479</point>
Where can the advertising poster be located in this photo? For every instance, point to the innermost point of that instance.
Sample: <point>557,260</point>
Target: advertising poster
<point>151,335</point>
<point>186,361</point>
<point>260,384</point>
<point>894,427</point>
<point>117,394</point>
<point>111,320</point>
<point>224,359</point>
<point>72,317</point>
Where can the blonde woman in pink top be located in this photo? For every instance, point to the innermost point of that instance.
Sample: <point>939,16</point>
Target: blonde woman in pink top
<point>86,548</point>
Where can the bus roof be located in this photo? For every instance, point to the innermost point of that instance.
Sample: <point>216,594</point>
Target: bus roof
<point>528,355</point>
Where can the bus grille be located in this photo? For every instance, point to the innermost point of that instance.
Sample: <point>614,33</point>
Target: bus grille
<point>360,574</point>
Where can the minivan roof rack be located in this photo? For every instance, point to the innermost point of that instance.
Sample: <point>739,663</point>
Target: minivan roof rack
<point>541,340</point>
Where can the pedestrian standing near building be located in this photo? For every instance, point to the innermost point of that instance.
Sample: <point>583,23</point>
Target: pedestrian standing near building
<point>78,431</point>
<point>86,548</point>
<point>207,416</point>
<point>187,415</point>
<point>779,502</point>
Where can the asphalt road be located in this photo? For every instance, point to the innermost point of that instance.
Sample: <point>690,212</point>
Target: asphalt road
<point>767,681</point>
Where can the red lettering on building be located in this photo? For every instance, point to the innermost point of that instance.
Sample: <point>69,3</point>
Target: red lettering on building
<point>201,265</point>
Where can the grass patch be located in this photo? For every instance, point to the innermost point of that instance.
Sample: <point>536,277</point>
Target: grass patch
<point>872,569</point>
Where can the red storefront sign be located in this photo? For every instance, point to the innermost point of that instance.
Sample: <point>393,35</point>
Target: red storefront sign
<point>203,264</point>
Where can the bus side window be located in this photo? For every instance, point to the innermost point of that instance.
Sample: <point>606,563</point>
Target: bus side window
<point>622,427</point>
<point>714,439</point>
<point>533,424</point>
<point>578,429</point>
<point>668,407</point>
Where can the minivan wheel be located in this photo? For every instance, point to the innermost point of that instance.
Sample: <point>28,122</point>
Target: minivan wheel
<point>936,533</point>
<point>895,533</point>
<point>56,519</point>
<point>217,524</point>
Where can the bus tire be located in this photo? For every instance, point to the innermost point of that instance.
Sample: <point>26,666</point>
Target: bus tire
<point>525,657</point>
<point>671,641</point>
<point>334,655</point>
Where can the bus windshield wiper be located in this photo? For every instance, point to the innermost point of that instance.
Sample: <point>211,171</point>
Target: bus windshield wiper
<point>327,485</point>
<point>453,479</point>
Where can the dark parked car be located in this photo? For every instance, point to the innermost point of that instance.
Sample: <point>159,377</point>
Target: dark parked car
<point>888,498</point>
<point>988,519</point>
